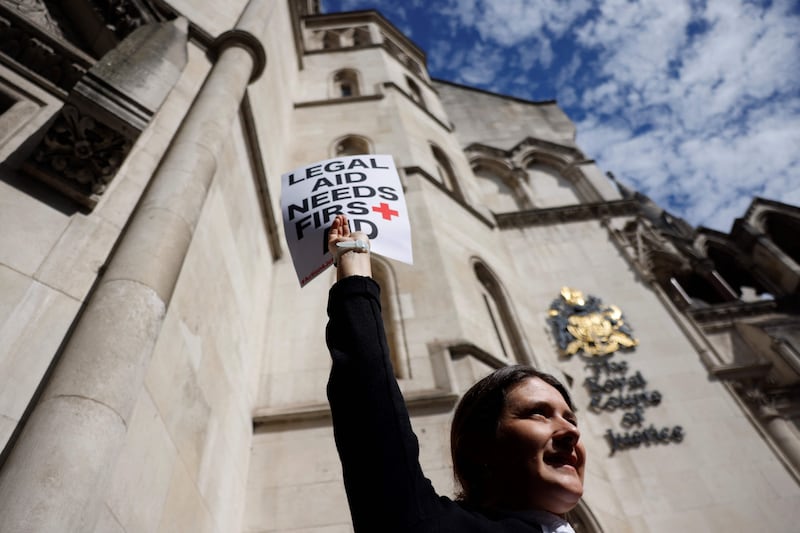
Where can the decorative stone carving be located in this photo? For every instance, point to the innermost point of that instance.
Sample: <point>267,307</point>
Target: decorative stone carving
<point>121,16</point>
<point>107,110</point>
<point>36,11</point>
<point>79,155</point>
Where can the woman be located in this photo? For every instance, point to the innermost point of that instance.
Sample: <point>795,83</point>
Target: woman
<point>515,443</point>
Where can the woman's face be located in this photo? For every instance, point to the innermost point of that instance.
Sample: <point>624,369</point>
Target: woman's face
<point>537,460</point>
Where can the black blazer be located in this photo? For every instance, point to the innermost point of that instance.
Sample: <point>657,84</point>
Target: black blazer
<point>386,489</point>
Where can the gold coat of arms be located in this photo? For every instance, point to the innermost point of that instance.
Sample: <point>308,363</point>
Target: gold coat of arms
<point>585,324</point>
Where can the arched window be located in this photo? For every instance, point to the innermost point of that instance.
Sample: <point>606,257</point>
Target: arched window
<point>351,145</point>
<point>549,187</point>
<point>508,342</point>
<point>501,188</point>
<point>345,83</point>
<point>392,317</point>
<point>444,171</point>
<point>415,92</point>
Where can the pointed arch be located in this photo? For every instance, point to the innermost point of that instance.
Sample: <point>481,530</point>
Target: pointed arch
<point>555,175</point>
<point>351,145</point>
<point>549,187</point>
<point>383,273</point>
<point>444,171</point>
<point>501,315</point>
<point>502,187</point>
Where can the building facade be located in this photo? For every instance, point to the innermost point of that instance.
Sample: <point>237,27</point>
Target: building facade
<point>161,369</point>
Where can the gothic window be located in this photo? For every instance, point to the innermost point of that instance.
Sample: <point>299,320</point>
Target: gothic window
<point>507,342</point>
<point>392,317</point>
<point>549,187</point>
<point>500,190</point>
<point>444,171</point>
<point>351,145</point>
<point>415,92</point>
<point>345,83</point>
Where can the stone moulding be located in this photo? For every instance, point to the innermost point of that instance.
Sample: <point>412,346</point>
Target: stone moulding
<point>730,311</point>
<point>567,213</point>
<point>266,418</point>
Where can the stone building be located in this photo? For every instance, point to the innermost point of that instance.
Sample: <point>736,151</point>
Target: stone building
<point>161,369</point>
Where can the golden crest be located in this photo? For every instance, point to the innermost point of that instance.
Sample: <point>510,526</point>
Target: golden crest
<point>584,324</point>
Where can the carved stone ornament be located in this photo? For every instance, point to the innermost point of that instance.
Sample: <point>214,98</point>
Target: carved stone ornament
<point>108,109</point>
<point>586,325</point>
<point>36,11</point>
<point>84,154</point>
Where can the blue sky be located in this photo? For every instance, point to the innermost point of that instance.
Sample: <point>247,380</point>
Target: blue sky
<point>695,103</point>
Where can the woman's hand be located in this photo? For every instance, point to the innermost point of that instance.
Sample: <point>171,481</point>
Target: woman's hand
<point>351,263</point>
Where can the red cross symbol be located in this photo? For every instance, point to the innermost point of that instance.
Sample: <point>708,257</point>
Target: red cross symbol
<point>385,212</point>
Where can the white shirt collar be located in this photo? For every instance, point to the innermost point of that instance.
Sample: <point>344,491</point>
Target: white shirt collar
<point>550,522</point>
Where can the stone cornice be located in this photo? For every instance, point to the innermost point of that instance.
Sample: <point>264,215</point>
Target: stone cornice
<point>565,214</point>
<point>336,101</point>
<point>263,419</point>
<point>730,311</point>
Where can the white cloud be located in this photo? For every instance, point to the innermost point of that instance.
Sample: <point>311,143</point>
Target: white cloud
<point>694,102</point>
<point>719,125</point>
<point>481,65</point>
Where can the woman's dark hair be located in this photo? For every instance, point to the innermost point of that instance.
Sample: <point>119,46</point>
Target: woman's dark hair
<point>475,425</point>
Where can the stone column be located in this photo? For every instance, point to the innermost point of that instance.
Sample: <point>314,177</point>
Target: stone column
<point>782,435</point>
<point>56,475</point>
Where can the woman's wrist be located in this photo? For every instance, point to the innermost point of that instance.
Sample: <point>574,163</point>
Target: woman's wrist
<point>353,263</point>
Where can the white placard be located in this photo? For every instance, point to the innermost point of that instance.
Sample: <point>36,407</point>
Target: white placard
<point>366,188</point>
